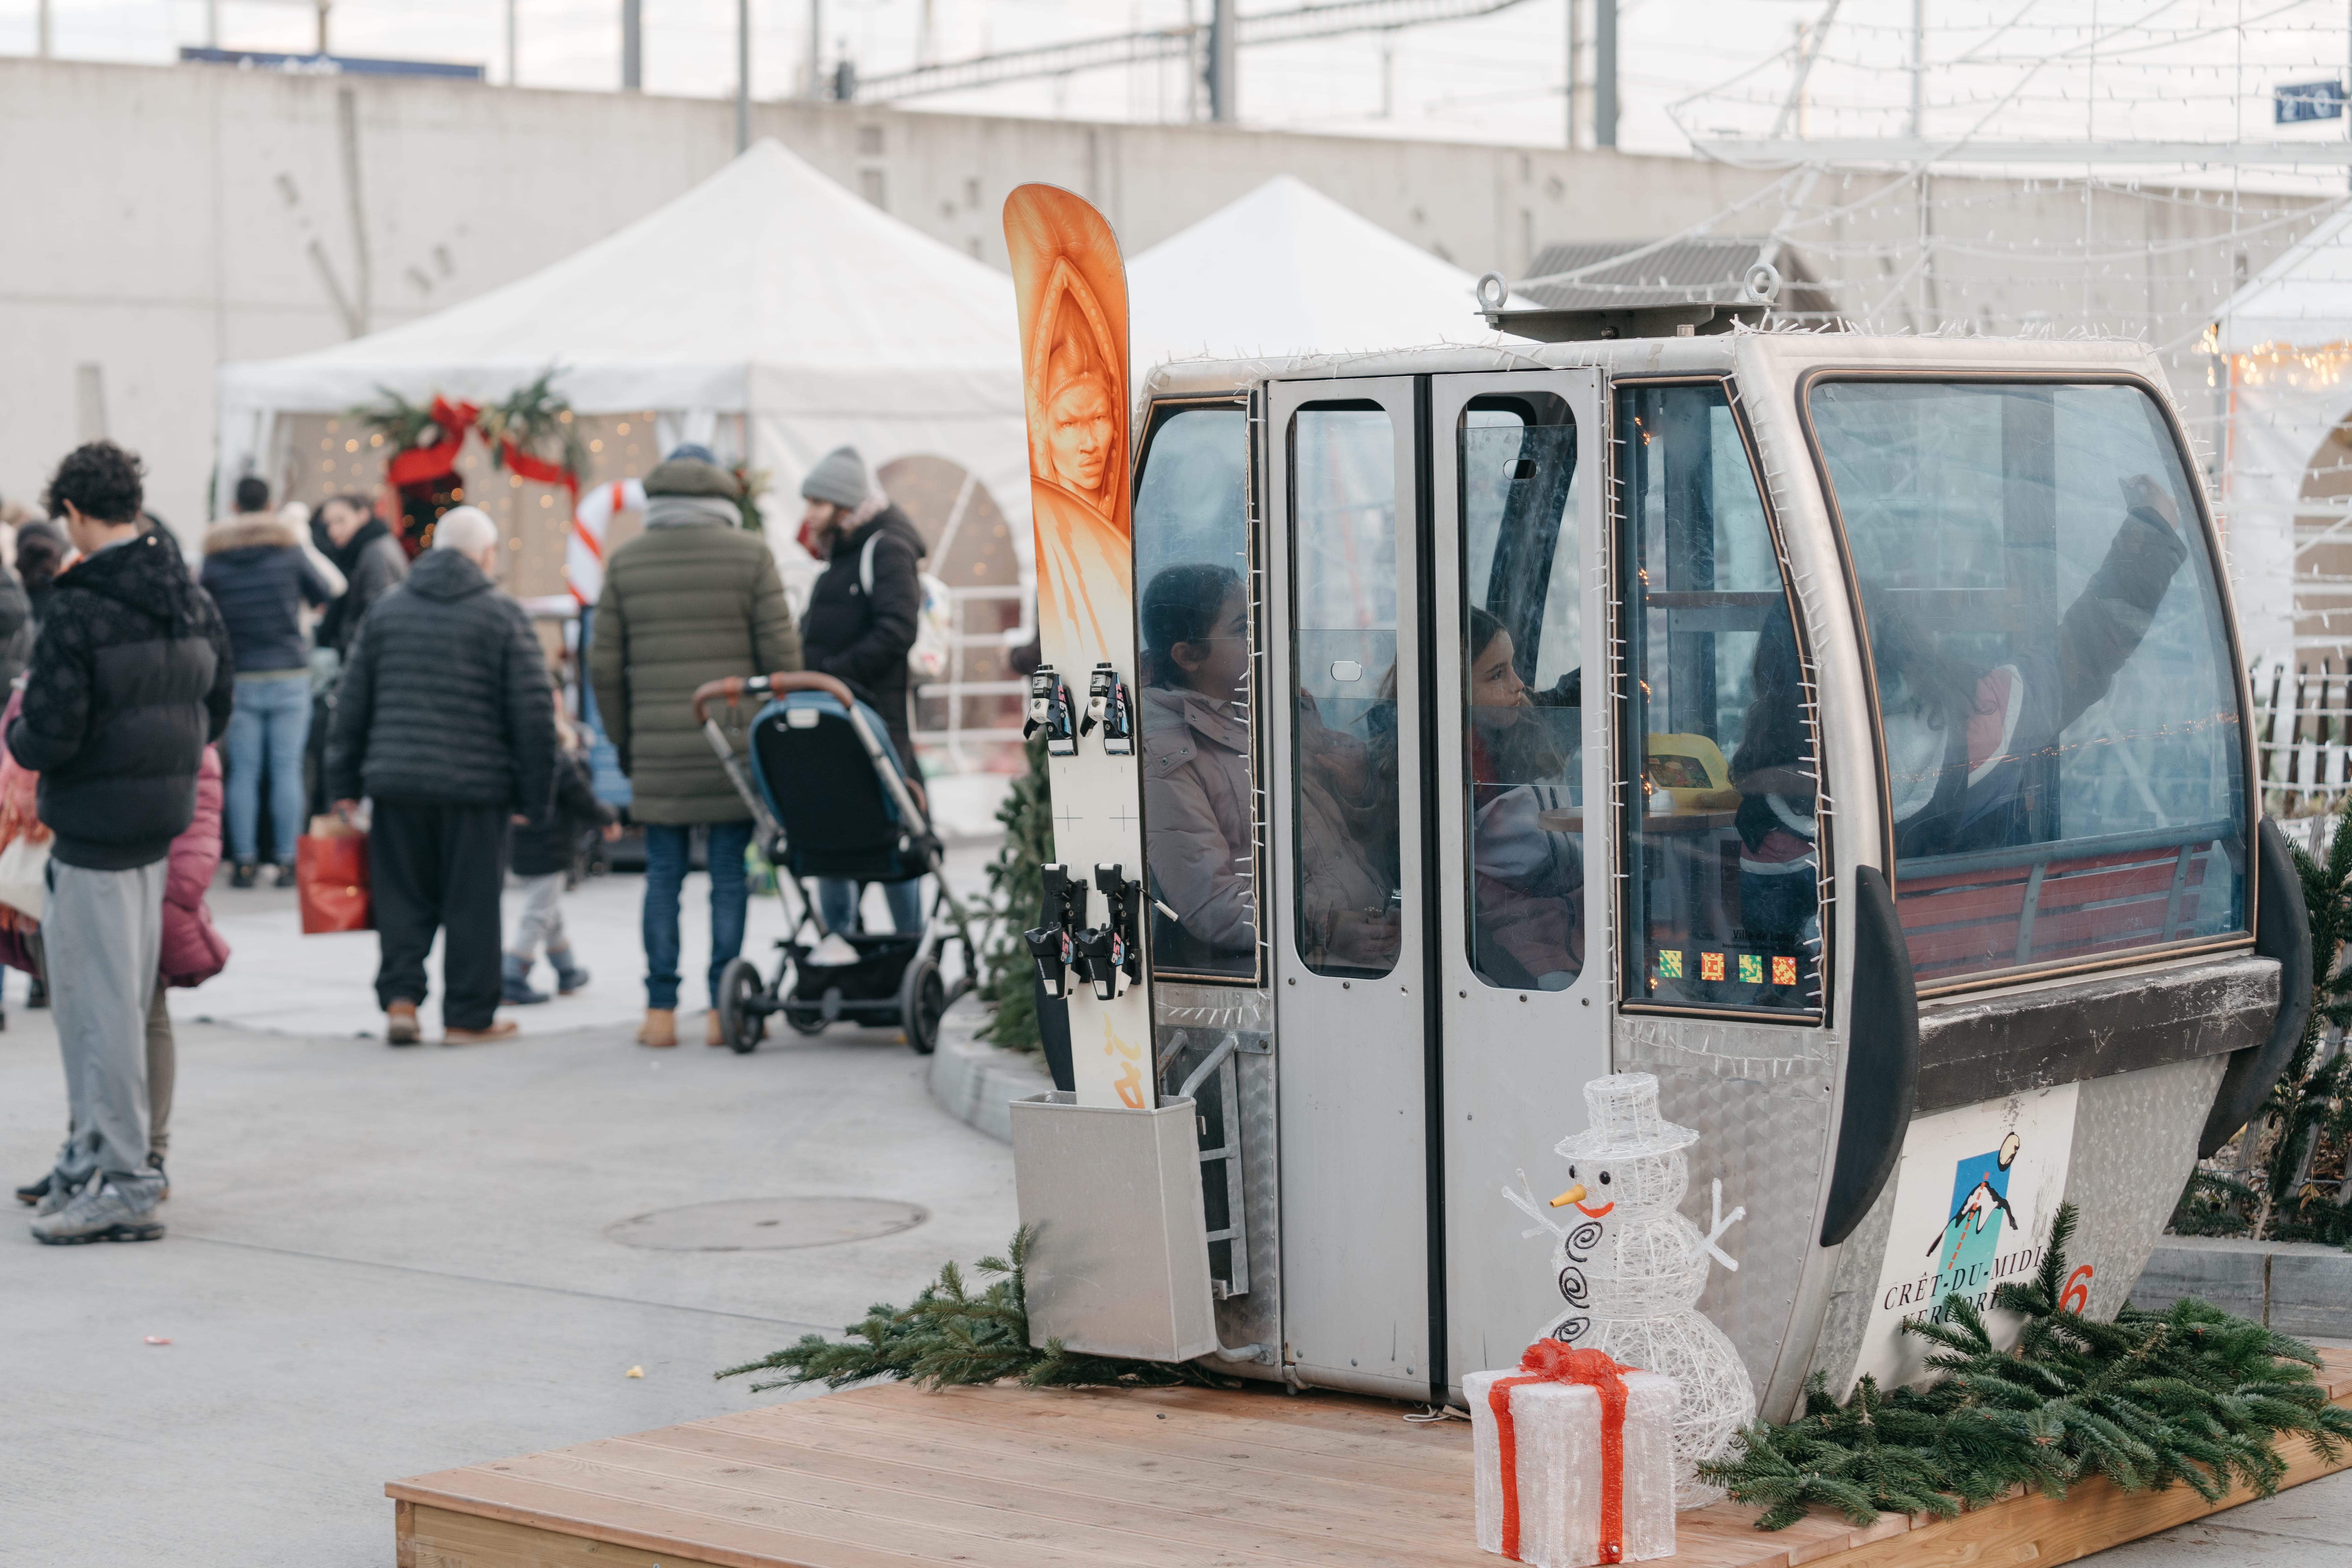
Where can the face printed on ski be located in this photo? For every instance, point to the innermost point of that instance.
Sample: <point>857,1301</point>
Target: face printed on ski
<point>1078,432</point>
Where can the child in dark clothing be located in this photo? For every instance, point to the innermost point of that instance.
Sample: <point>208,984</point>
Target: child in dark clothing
<point>543,863</point>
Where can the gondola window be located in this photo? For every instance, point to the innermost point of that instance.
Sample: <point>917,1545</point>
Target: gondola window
<point>1194,614</point>
<point>1522,622</point>
<point>2058,710</point>
<point>1346,902</point>
<point>1721,836</point>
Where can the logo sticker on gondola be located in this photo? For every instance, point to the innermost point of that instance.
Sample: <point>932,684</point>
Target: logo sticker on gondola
<point>1751,969</point>
<point>1710,966</point>
<point>1975,1194</point>
<point>1784,971</point>
<point>1670,963</point>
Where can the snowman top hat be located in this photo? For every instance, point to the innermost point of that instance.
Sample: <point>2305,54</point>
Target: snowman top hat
<point>1624,1112</point>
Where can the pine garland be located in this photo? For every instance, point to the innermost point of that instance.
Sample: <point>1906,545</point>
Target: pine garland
<point>2190,1396</point>
<point>1016,880</point>
<point>404,426</point>
<point>950,1335</point>
<point>535,418</point>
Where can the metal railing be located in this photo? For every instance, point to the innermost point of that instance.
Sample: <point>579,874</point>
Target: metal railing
<point>958,684</point>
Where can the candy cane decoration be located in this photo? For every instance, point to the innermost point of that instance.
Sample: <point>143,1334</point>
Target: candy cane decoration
<point>583,554</point>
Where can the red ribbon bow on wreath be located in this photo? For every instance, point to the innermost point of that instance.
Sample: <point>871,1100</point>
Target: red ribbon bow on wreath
<point>1549,1360</point>
<point>423,465</point>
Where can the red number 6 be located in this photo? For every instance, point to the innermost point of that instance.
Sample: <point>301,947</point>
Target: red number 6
<point>2077,1295</point>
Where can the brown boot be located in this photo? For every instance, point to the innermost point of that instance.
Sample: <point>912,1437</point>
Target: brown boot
<point>714,1033</point>
<point>660,1027</point>
<point>503,1029</point>
<point>400,1024</point>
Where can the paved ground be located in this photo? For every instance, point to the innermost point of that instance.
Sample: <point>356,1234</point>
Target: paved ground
<point>388,1262</point>
<point>383,1262</point>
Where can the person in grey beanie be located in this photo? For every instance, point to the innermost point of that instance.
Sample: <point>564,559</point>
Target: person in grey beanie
<point>695,597</point>
<point>860,625</point>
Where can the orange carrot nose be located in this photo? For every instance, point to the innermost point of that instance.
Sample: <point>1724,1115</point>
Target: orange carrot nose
<point>1574,1195</point>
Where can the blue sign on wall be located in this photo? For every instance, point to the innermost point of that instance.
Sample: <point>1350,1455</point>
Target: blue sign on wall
<point>2307,100</point>
<point>326,65</point>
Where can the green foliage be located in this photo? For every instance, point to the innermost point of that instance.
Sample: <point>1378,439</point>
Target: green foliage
<point>951,1335</point>
<point>1017,886</point>
<point>404,426</point>
<point>2308,1115</point>
<point>536,419</point>
<point>2190,1396</point>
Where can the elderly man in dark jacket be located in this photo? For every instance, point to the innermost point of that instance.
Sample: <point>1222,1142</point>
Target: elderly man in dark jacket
<point>446,721</point>
<point>860,626</point>
<point>132,678</point>
<point>693,598</point>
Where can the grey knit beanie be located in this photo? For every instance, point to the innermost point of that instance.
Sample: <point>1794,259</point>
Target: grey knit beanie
<point>839,477</point>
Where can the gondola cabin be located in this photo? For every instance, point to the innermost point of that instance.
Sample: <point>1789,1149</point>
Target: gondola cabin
<point>1849,731</point>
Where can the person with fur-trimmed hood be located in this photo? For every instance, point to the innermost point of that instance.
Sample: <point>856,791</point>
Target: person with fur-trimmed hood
<point>258,573</point>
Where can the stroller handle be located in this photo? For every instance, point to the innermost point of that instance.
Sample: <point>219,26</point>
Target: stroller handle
<point>734,687</point>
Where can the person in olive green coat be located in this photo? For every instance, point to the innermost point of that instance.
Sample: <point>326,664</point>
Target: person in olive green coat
<point>693,598</point>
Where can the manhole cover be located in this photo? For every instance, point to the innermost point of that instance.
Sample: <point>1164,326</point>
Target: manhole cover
<point>750,1224</point>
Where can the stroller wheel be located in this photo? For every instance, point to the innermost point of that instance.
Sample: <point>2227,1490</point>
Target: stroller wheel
<point>922,998</point>
<point>804,1020</point>
<point>738,983</point>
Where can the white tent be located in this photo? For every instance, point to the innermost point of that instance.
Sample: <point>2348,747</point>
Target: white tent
<point>767,312</point>
<point>1286,270</point>
<point>2287,339</point>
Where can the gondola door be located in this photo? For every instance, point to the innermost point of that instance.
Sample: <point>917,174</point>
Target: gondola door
<point>1518,618</point>
<point>1346,912</point>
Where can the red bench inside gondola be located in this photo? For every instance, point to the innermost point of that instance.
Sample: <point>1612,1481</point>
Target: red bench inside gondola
<point>2044,903</point>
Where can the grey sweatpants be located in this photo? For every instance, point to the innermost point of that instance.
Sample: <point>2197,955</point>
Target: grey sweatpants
<point>102,936</point>
<point>541,920</point>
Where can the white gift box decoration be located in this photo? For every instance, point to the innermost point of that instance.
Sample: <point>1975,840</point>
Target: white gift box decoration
<point>1556,1509</point>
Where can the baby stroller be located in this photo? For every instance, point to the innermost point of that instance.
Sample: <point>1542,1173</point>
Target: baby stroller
<point>829,800</point>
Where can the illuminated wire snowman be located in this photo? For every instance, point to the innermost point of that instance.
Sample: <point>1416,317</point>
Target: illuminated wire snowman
<point>1631,1267</point>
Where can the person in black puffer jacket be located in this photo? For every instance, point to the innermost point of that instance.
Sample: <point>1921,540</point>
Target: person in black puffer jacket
<point>445,719</point>
<point>864,635</point>
<point>132,678</point>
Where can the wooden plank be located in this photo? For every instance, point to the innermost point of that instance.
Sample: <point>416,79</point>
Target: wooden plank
<point>440,1538</point>
<point>1096,1517</point>
<point>628,1518</point>
<point>1155,1479</point>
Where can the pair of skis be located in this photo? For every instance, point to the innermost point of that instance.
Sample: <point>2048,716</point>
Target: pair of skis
<point>1072,288</point>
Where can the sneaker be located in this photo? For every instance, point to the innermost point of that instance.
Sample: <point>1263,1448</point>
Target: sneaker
<point>514,984</point>
<point>400,1024</point>
<point>32,1192</point>
<point>501,1030</point>
<point>38,993</point>
<point>834,953</point>
<point>568,976</point>
<point>62,1190</point>
<point>283,876</point>
<point>242,876</point>
<point>112,1208</point>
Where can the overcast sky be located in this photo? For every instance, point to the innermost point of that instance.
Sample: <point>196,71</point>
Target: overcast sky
<point>2104,68</point>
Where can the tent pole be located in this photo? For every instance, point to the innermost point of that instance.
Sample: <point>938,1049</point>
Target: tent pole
<point>743,74</point>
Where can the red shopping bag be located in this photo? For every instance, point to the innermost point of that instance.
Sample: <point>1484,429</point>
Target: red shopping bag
<point>330,874</point>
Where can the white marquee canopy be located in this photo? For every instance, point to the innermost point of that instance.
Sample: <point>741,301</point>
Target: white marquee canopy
<point>767,312</point>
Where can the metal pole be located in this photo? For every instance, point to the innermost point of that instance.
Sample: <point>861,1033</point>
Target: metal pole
<point>1918,68</point>
<point>511,42</point>
<point>743,74</point>
<point>633,46</point>
<point>815,49</point>
<point>1222,108</point>
<point>322,27</point>
<point>1575,60</point>
<point>1604,73</point>
<point>41,30</point>
<point>212,23</point>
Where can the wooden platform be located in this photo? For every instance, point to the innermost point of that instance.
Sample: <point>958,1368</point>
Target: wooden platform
<point>1005,1478</point>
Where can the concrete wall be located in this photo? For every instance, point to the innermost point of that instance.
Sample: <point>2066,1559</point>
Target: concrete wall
<point>159,221</point>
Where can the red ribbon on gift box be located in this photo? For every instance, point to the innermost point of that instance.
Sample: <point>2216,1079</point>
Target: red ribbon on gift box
<point>1549,1360</point>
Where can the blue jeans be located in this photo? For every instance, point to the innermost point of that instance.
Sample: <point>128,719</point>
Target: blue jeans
<point>272,721</point>
<point>665,857</point>
<point>836,900</point>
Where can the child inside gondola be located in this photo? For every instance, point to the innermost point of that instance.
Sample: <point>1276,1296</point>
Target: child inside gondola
<point>1196,777</point>
<point>1967,750</point>
<point>1527,877</point>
